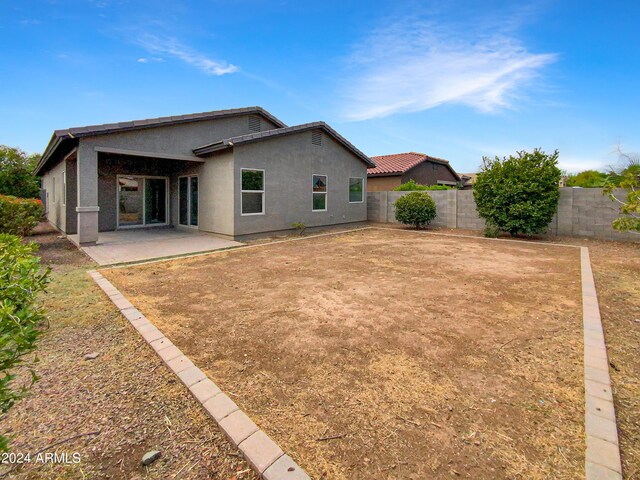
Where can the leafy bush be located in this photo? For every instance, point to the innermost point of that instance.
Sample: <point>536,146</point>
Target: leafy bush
<point>16,177</point>
<point>18,216</point>
<point>491,231</point>
<point>21,279</point>
<point>587,179</point>
<point>518,194</point>
<point>412,186</point>
<point>415,208</point>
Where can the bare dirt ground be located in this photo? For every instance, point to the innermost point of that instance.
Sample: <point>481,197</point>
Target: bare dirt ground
<point>386,354</point>
<point>126,394</point>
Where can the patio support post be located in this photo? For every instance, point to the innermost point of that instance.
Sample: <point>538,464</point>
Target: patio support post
<point>87,209</point>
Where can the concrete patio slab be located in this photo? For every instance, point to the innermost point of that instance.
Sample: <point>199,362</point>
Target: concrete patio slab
<point>135,245</point>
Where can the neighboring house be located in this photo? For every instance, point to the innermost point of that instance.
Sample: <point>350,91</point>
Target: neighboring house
<point>230,172</point>
<point>392,170</point>
<point>467,180</point>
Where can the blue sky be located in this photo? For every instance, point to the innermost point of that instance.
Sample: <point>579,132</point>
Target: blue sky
<point>457,80</point>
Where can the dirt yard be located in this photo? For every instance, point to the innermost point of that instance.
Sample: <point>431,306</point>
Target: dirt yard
<point>387,354</point>
<point>126,394</point>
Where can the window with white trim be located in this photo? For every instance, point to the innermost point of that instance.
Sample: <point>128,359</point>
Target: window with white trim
<point>252,191</point>
<point>319,192</point>
<point>356,189</point>
<point>64,188</point>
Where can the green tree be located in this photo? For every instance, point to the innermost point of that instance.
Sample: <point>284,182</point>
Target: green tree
<point>16,173</point>
<point>587,179</point>
<point>518,194</point>
<point>21,318</point>
<point>627,178</point>
<point>415,208</point>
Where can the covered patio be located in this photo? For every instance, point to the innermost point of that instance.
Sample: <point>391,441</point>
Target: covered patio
<point>135,245</point>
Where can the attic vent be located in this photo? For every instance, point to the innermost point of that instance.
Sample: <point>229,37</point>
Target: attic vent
<point>254,123</point>
<point>316,137</point>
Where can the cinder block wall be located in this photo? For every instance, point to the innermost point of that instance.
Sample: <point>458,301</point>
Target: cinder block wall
<point>582,212</point>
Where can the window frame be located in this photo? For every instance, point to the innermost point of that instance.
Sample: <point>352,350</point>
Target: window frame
<point>64,188</point>
<point>361,191</point>
<point>263,191</point>
<point>189,206</point>
<point>325,193</point>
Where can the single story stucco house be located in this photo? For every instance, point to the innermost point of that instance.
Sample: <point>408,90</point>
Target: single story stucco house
<point>230,172</point>
<point>392,170</point>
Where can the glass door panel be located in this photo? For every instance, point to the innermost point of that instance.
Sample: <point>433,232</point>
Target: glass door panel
<point>184,201</point>
<point>155,199</point>
<point>193,217</point>
<point>130,200</point>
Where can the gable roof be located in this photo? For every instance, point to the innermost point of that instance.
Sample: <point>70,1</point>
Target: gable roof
<point>400,163</point>
<point>267,134</point>
<point>60,136</point>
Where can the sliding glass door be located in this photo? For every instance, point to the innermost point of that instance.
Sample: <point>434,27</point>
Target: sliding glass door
<point>142,201</point>
<point>188,201</point>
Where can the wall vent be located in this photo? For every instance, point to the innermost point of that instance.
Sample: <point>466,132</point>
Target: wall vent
<point>254,123</point>
<point>316,137</point>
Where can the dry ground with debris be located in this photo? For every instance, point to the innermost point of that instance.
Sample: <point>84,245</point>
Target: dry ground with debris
<point>126,394</point>
<point>387,354</point>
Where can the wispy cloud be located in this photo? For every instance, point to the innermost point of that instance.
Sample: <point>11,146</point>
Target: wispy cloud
<point>416,65</point>
<point>150,59</point>
<point>173,48</point>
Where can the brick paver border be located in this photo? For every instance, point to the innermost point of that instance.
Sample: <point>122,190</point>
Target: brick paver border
<point>263,454</point>
<point>602,457</point>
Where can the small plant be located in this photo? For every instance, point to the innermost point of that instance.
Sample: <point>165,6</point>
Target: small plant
<point>21,279</point>
<point>491,230</point>
<point>412,186</point>
<point>18,216</point>
<point>300,227</point>
<point>415,208</point>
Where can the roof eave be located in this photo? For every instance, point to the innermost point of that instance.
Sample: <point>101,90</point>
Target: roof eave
<point>385,174</point>
<point>212,148</point>
<point>53,145</point>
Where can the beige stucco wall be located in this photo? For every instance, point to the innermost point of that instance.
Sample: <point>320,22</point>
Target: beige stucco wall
<point>383,184</point>
<point>56,211</point>
<point>216,188</point>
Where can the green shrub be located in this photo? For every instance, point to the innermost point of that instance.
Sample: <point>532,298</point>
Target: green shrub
<point>415,208</point>
<point>21,279</point>
<point>491,231</point>
<point>18,216</point>
<point>412,186</point>
<point>299,226</point>
<point>519,194</point>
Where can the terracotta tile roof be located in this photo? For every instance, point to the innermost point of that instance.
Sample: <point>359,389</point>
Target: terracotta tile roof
<point>398,163</point>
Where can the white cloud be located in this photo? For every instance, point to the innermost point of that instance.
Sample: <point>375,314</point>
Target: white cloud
<point>171,47</point>
<point>150,59</point>
<point>417,65</point>
<point>579,164</point>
